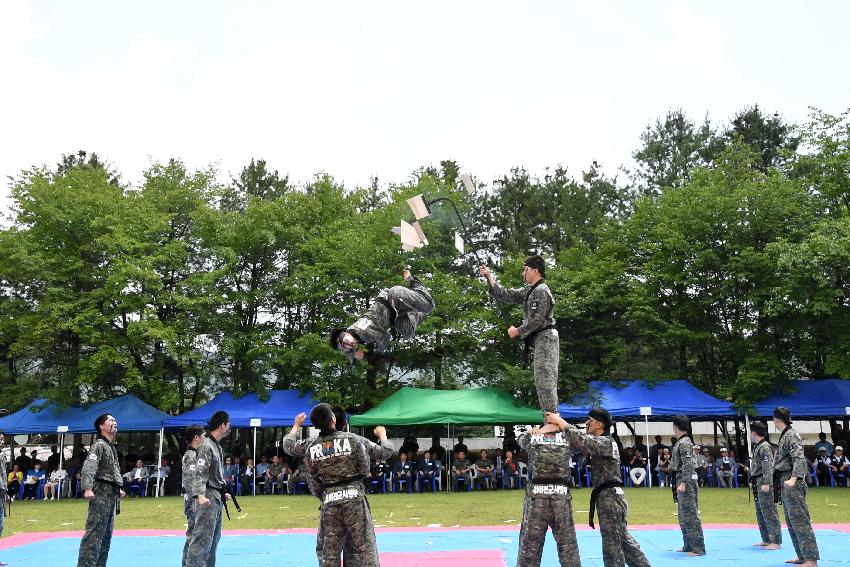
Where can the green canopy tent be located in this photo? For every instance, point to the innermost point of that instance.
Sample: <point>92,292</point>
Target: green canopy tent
<point>477,406</point>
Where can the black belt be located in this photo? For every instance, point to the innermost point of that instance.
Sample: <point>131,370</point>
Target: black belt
<point>223,492</point>
<point>545,480</point>
<point>529,341</point>
<point>595,494</point>
<point>116,490</point>
<point>345,482</point>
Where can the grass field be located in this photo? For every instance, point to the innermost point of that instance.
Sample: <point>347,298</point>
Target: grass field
<point>647,506</point>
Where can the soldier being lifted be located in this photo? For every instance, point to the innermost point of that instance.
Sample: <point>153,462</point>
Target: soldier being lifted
<point>339,463</point>
<point>618,547</point>
<point>398,309</point>
<point>101,482</point>
<point>537,330</point>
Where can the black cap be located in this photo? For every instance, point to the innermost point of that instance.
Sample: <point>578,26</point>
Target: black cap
<point>783,413</point>
<point>601,415</point>
<point>759,428</point>
<point>335,334</point>
<point>536,263</point>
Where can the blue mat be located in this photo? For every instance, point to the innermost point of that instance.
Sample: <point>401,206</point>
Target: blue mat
<point>730,546</point>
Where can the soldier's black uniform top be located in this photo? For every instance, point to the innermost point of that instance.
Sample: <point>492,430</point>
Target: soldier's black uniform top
<point>190,458</point>
<point>209,470</point>
<point>682,460</point>
<point>762,468</point>
<point>101,465</point>
<point>790,460</point>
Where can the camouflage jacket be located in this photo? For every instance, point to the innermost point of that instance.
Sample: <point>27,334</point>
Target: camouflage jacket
<point>789,456</point>
<point>682,460</point>
<point>763,459</point>
<point>604,454</point>
<point>209,470</point>
<point>375,327</point>
<point>101,464</point>
<point>190,457</point>
<point>338,462</point>
<point>549,461</point>
<point>538,305</point>
<point>3,466</point>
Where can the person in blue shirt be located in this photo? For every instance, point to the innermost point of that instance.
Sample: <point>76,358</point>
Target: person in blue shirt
<point>33,477</point>
<point>824,444</point>
<point>403,472</point>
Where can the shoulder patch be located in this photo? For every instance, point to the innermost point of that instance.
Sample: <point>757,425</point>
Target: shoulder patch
<point>765,458</point>
<point>191,467</point>
<point>201,462</point>
<point>92,457</point>
<point>534,305</point>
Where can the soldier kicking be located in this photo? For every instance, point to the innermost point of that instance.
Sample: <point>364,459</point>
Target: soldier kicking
<point>537,330</point>
<point>687,484</point>
<point>101,483</point>
<point>339,463</point>
<point>398,309</point>
<point>761,478</point>
<point>548,502</point>
<point>194,436</point>
<point>618,546</point>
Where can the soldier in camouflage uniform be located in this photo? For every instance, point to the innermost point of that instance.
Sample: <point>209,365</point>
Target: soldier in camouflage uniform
<point>761,478</point>
<point>537,329</point>
<point>209,495</point>
<point>619,548</point>
<point>4,488</point>
<point>398,309</point>
<point>548,502</point>
<point>101,483</point>
<point>339,463</point>
<point>790,470</point>
<point>194,436</point>
<point>682,463</point>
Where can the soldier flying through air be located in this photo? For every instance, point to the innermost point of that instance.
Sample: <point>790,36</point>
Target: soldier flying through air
<point>396,310</point>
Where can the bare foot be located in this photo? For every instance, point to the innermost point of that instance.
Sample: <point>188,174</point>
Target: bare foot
<point>795,561</point>
<point>549,428</point>
<point>761,544</point>
<point>773,546</point>
<point>809,564</point>
<point>695,554</point>
<point>681,550</point>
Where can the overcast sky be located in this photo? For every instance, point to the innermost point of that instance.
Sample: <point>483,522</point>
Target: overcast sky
<point>361,89</point>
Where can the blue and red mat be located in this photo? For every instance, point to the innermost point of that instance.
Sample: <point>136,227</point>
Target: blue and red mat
<point>417,547</point>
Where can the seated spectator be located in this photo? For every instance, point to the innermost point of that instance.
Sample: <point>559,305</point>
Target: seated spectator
<point>840,466</point>
<point>56,484</point>
<point>700,465</point>
<point>638,466</point>
<point>498,465</point>
<point>73,475</point>
<point>378,476</point>
<point>136,477</point>
<point>664,475</point>
<point>628,455</point>
<point>741,468</point>
<point>247,478</point>
<point>231,471</point>
<point>724,467</point>
<point>709,460</point>
<point>822,463</point>
<point>272,474</point>
<point>14,480</point>
<point>426,473</point>
<point>823,444</point>
<point>484,468</point>
<point>285,475</point>
<point>510,470</point>
<point>301,474</point>
<point>33,477</point>
<point>263,466</point>
<point>403,472</point>
<point>461,469</point>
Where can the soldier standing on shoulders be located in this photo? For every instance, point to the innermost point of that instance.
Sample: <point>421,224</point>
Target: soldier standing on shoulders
<point>761,478</point>
<point>339,463</point>
<point>619,548</point>
<point>687,485</point>
<point>209,494</point>
<point>548,502</point>
<point>194,436</point>
<point>790,471</point>
<point>101,483</point>
<point>537,330</point>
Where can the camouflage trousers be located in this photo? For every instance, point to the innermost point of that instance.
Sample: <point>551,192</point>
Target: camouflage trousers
<point>546,355</point>
<point>189,511</point>
<point>619,548</point>
<point>689,520</point>
<point>799,521</point>
<point>347,523</point>
<point>767,517</point>
<point>94,546</point>
<point>205,533</point>
<point>539,514</point>
<point>413,306</point>
<point>2,510</point>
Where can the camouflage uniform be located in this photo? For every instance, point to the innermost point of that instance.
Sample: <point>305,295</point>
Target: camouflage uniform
<point>338,463</point>
<point>682,462</point>
<point>208,481</point>
<point>548,502</point>
<point>539,333</point>
<point>273,473</point>
<point>190,457</point>
<point>791,462</point>
<point>761,474</point>
<point>399,308</point>
<point>4,488</point>
<point>100,474</point>
<point>618,546</point>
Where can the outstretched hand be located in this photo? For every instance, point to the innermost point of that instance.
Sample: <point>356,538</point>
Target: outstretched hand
<point>406,273</point>
<point>299,419</point>
<point>381,432</point>
<point>556,419</point>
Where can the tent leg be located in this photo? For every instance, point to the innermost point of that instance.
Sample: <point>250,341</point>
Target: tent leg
<point>159,461</point>
<point>254,473</point>
<point>61,460</point>
<point>648,460</point>
<point>448,458</point>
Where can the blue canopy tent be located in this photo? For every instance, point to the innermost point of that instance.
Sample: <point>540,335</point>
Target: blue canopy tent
<point>814,399</point>
<point>42,416</point>
<point>249,411</point>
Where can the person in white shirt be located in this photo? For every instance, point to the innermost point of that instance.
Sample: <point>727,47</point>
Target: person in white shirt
<point>138,476</point>
<point>56,484</point>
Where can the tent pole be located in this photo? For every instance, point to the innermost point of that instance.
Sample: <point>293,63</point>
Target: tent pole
<point>648,460</point>
<point>254,472</point>
<point>61,460</point>
<point>448,457</point>
<point>159,460</point>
